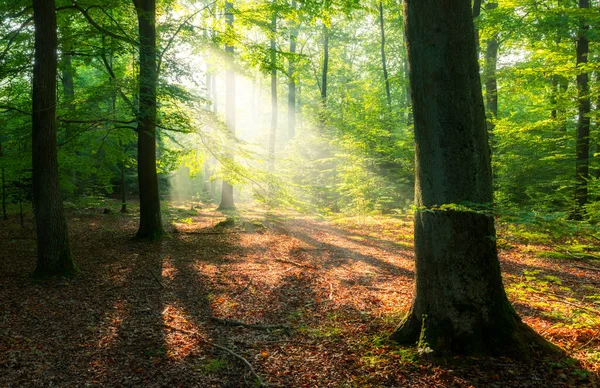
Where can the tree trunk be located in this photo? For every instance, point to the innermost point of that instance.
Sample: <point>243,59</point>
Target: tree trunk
<point>123,184</point>
<point>598,129</point>
<point>273,132</point>
<point>54,252</point>
<point>150,218</point>
<point>227,189</point>
<point>476,13</point>
<point>460,304</point>
<point>388,93</point>
<point>325,64</point>
<point>491,83</point>
<point>4,214</point>
<point>583,124</point>
<point>292,79</point>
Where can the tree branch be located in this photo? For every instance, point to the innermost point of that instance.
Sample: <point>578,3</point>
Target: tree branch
<point>101,29</point>
<point>170,41</point>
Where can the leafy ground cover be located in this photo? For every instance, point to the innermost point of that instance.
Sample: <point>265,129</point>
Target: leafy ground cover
<point>303,302</point>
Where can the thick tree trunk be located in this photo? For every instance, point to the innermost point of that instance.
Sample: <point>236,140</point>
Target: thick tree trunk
<point>54,252</point>
<point>491,82</point>
<point>292,79</point>
<point>583,125</point>
<point>388,93</point>
<point>273,132</point>
<point>227,189</point>
<point>150,218</point>
<point>460,304</point>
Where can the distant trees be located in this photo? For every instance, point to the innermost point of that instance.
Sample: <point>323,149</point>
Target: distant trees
<point>54,252</point>
<point>460,304</point>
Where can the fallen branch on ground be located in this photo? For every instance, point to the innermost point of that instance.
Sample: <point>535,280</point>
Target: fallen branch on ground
<point>588,268</point>
<point>156,279</point>
<point>210,343</point>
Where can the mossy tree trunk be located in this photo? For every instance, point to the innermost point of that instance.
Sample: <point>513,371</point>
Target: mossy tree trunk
<point>460,304</point>
<point>150,218</point>
<point>54,252</point>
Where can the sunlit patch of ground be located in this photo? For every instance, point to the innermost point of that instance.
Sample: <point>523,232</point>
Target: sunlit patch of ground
<point>323,296</point>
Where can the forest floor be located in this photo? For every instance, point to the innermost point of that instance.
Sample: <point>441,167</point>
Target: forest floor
<point>324,296</point>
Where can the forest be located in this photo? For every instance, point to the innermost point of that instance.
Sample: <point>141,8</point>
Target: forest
<point>300,193</point>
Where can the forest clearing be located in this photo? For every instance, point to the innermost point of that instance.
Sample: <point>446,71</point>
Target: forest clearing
<point>325,295</point>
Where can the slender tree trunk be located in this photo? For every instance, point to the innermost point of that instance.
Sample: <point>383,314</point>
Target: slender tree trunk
<point>583,124</point>
<point>476,13</point>
<point>388,93</point>
<point>4,214</point>
<point>554,98</point>
<point>292,79</point>
<point>460,304</point>
<point>227,189</point>
<point>54,252</point>
<point>150,218</point>
<point>325,64</point>
<point>123,183</point>
<point>491,82</point>
<point>215,94</point>
<point>598,129</point>
<point>273,132</point>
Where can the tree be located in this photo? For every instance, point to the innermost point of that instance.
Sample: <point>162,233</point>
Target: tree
<point>491,83</point>
<point>292,77</point>
<point>460,304</point>
<point>150,217</point>
<point>388,94</point>
<point>227,190</point>
<point>54,252</point>
<point>273,52</point>
<point>583,123</point>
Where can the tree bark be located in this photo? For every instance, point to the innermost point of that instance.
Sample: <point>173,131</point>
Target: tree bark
<point>292,79</point>
<point>388,93</point>
<point>53,248</point>
<point>273,132</point>
<point>583,124</point>
<point>227,202</point>
<point>460,304</point>
<point>150,218</point>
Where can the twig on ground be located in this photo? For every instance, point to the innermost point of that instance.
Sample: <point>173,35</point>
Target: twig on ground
<point>292,263</point>
<point>212,233</point>
<point>227,322</point>
<point>588,268</point>
<point>155,278</point>
<point>210,343</point>
<point>594,237</point>
<point>234,294</point>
